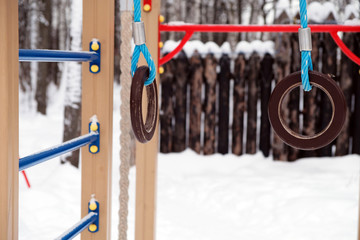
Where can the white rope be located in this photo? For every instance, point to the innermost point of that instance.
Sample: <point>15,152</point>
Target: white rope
<point>125,124</point>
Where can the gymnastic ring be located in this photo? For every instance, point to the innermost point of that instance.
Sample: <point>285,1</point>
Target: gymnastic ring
<point>143,132</point>
<point>327,135</point>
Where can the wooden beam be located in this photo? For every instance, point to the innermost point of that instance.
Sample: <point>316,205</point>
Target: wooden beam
<point>146,154</point>
<point>9,120</point>
<point>97,99</point>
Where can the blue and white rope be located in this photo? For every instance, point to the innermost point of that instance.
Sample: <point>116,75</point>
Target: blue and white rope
<point>142,48</point>
<point>306,62</point>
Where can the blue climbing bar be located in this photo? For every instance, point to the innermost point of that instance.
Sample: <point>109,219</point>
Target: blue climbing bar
<point>36,55</point>
<point>79,227</point>
<point>53,152</point>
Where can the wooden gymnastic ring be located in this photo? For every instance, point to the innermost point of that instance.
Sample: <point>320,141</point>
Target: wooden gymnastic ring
<point>327,135</point>
<point>143,132</point>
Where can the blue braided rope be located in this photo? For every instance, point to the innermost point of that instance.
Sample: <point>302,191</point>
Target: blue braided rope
<point>142,49</point>
<point>306,62</point>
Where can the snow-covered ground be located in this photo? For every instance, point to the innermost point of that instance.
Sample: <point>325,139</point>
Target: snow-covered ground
<point>212,197</point>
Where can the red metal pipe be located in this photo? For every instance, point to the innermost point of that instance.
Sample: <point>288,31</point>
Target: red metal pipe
<point>191,28</point>
<point>255,28</point>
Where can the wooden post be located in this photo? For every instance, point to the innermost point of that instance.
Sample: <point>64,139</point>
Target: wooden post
<point>9,120</point>
<point>196,81</point>
<point>224,104</point>
<point>294,95</point>
<point>97,98</point>
<point>180,89</point>
<point>346,84</point>
<point>167,108</point>
<point>210,104</point>
<point>356,114</point>
<point>146,154</point>
<point>267,75</point>
<point>239,105</point>
<point>252,83</point>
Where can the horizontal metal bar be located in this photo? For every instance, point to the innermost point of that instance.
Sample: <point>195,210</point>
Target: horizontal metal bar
<point>43,55</point>
<point>53,152</point>
<point>254,28</point>
<point>79,227</point>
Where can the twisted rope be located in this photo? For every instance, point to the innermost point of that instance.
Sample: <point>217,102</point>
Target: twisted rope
<point>142,48</point>
<point>306,62</point>
<point>125,124</point>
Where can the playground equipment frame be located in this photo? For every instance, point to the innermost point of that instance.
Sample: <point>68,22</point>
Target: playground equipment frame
<point>97,97</point>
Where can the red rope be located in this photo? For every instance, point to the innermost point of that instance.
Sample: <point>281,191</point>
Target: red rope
<point>26,179</point>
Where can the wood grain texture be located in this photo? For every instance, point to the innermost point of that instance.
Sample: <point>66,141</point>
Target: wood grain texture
<point>9,119</point>
<point>97,98</point>
<point>180,89</point>
<point>146,154</point>
<point>196,81</point>
<point>239,105</point>
<point>224,78</point>
<point>210,104</point>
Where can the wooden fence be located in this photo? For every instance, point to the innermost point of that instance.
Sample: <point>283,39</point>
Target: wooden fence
<point>220,105</point>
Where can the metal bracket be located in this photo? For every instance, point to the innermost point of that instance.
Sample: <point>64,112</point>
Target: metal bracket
<point>91,205</point>
<point>94,147</point>
<point>95,65</point>
<point>305,43</point>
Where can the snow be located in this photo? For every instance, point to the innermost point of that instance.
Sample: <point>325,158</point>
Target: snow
<point>318,12</point>
<point>255,46</point>
<point>351,10</point>
<point>198,197</point>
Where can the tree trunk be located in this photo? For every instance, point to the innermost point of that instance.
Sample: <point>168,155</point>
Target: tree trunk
<point>117,42</point>
<point>45,41</point>
<point>196,81</point>
<point>24,42</point>
<point>180,82</point>
<point>239,105</point>
<point>72,112</point>
<point>210,105</point>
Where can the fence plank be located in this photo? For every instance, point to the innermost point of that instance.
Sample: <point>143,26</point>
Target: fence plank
<point>311,110</point>
<point>196,81</point>
<point>239,105</point>
<point>167,110</point>
<point>347,70</point>
<point>294,96</point>
<point>252,82</point>
<point>283,61</point>
<point>181,80</point>
<point>356,114</point>
<point>224,110</point>
<point>210,104</point>
<point>329,66</point>
<point>267,75</point>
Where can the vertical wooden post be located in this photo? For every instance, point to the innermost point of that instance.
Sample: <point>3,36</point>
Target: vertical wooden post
<point>97,99</point>
<point>224,78</point>
<point>146,154</point>
<point>9,119</point>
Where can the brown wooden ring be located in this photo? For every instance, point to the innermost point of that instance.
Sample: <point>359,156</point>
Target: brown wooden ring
<point>327,135</point>
<point>143,132</point>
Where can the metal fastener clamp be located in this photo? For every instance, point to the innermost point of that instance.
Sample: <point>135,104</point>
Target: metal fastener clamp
<point>305,43</point>
<point>139,33</point>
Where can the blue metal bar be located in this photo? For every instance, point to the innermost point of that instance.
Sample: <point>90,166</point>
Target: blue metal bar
<point>65,147</point>
<point>79,227</point>
<point>36,55</point>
